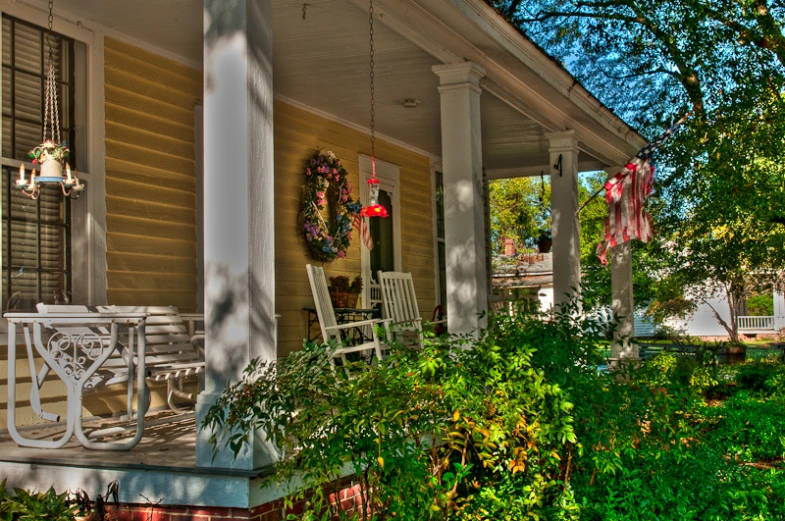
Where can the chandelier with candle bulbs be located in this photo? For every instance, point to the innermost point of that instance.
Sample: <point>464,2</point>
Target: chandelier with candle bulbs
<point>51,156</point>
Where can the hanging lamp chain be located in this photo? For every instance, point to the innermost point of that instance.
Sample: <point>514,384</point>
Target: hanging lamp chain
<point>51,107</point>
<point>373,86</point>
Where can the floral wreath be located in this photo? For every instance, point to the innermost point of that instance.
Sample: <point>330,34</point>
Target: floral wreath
<point>326,183</point>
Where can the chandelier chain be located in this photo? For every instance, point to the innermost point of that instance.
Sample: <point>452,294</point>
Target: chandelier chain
<point>373,87</point>
<point>51,106</point>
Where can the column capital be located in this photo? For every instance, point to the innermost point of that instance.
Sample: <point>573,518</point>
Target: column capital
<point>562,141</point>
<point>458,75</point>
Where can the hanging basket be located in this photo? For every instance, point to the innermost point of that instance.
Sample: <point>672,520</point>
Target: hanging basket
<point>52,169</point>
<point>343,299</point>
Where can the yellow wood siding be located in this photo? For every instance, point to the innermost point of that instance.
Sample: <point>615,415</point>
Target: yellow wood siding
<point>297,134</point>
<point>150,178</point>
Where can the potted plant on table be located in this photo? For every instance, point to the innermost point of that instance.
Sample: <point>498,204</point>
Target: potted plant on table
<point>544,241</point>
<point>343,293</point>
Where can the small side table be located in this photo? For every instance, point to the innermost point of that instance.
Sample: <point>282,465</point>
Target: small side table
<point>343,316</point>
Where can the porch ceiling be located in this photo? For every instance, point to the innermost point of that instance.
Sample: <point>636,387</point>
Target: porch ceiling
<point>322,62</point>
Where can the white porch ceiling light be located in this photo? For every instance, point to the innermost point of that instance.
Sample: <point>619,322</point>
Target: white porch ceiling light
<point>52,154</point>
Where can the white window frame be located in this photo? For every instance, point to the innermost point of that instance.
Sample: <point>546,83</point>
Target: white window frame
<point>389,179</point>
<point>88,213</point>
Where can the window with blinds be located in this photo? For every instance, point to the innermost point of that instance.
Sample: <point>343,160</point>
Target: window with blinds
<point>35,233</point>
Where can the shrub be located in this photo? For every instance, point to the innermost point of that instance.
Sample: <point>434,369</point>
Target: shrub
<point>747,429</point>
<point>439,434</point>
<point>759,376</point>
<point>35,506</point>
<point>520,424</point>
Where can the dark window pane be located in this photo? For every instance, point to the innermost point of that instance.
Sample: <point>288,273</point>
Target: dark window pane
<point>442,276</point>
<point>6,41</point>
<point>22,207</point>
<point>439,205</point>
<point>28,136</point>
<point>27,48</point>
<point>35,246</point>
<point>383,252</point>
<point>25,64</point>
<point>35,233</point>
<point>24,290</point>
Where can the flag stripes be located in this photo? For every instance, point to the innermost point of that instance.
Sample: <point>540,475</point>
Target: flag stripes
<point>363,227</point>
<point>625,194</point>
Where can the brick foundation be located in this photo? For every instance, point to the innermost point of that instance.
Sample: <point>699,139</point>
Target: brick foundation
<point>348,497</point>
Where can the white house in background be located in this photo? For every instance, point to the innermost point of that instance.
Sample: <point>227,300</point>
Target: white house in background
<point>703,323</point>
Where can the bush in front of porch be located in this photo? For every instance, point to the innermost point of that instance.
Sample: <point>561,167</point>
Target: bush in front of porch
<point>522,425</point>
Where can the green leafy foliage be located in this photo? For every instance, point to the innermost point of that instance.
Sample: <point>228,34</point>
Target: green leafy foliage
<point>35,506</point>
<point>520,210</point>
<point>748,429</point>
<point>760,305</point>
<point>522,423</point>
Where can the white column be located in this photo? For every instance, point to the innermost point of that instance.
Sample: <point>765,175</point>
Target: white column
<point>467,286</point>
<point>622,298</point>
<point>779,308</point>
<point>563,148</point>
<point>239,229</point>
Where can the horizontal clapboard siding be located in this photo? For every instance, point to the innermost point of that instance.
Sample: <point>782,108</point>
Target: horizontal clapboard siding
<point>150,178</point>
<point>297,134</point>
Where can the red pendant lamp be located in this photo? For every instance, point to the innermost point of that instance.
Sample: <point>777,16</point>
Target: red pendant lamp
<point>373,208</point>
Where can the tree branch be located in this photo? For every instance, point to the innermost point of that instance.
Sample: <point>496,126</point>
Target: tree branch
<point>639,74</point>
<point>547,15</point>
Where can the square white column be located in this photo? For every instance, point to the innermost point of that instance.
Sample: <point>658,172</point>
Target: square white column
<point>464,213</point>
<point>623,301</point>
<point>779,308</point>
<point>239,230</point>
<point>566,249</point>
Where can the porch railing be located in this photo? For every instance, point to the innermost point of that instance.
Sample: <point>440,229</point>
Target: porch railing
<point>755,323</point>
<point>375,294</point>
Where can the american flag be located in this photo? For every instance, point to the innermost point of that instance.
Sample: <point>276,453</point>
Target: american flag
<point>626,193</point>
<point>361,223</point>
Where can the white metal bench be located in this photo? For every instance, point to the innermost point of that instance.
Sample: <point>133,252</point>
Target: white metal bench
<point>85,352</point>
<point>174,346</point>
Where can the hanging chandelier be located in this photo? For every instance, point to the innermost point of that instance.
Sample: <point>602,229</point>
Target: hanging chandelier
<point>373,209</point>
<point>52,154</point>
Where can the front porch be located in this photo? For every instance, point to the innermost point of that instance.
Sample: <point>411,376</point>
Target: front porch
<point>159,475</point>
<point>195,149</point>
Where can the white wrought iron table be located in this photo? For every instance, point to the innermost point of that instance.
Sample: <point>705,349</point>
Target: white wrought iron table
<point>76,349</point>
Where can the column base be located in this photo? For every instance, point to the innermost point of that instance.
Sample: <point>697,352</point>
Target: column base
<point>256,454</point>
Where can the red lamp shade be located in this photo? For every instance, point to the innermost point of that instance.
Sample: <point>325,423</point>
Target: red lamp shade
<point>374,209</point>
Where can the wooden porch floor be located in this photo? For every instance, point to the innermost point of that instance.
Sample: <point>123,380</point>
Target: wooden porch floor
<point>169,442</point>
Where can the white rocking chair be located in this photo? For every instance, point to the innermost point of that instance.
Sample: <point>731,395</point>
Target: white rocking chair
<point>400,307</point>
<point>329,325</point>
